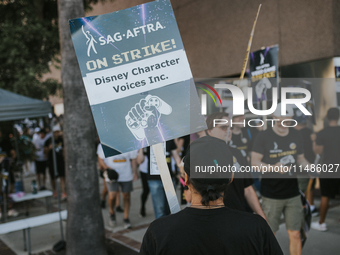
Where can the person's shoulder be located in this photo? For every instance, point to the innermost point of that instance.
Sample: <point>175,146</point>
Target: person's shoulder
<point>234,151</point>
<point>306,130</point>
<point>295,133</point>
<point>322,132</point>
<point>166,221</point>
<point>253,221</point>
<point>48,141</point>
<point>133,154</point>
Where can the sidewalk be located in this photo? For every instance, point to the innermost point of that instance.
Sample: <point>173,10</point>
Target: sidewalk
<point>122,241</point>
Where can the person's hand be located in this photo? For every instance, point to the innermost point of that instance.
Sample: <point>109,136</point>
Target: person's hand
<point>313,137</point>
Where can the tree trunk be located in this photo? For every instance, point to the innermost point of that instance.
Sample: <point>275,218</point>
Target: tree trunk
<point>85,226</point>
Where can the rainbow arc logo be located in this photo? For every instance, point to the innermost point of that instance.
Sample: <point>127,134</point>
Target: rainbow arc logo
<point>204,97</point>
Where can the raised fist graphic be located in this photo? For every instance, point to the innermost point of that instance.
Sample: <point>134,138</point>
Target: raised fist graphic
<point>143,117</point>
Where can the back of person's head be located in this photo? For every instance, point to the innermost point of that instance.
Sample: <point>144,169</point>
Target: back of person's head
<point>215,115</point>
<point>300,117</point>
<point>333,114</point>
<point>203,153</point>
<point>43,131</point>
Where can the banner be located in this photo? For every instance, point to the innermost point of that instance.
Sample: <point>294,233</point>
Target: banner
<point>137,77</point>
<point>263,69</point>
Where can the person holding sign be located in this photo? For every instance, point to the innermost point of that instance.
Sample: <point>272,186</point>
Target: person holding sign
<point>207,226</point>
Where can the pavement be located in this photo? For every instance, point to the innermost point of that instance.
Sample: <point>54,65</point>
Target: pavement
<point>128,241</point>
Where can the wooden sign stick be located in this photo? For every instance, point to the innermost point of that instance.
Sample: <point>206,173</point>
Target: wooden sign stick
<point>247,54</point>
<point>249,45</point>
<point>169,189</point>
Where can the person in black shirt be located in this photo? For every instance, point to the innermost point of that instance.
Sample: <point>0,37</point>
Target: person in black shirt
<point>306,134</point>
<point>328,142</point>
<point>240,191</point>
<point>273,149</point>
<point>6,145</point>
<point>60,163</point>
<point>242,137</point>
<point>207,226</point>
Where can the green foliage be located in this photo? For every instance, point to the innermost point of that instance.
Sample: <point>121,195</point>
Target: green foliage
<point>29,44</point>
<point>89,3</point>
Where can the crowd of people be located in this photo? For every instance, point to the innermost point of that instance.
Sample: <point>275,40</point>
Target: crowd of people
<point>266,192</point>
<point>31,150</point>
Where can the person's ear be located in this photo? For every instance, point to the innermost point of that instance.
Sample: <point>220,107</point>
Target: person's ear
<point>232,178</point>
<point>186,178</point>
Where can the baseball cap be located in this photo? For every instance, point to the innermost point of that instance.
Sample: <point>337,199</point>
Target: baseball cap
<point>56,128</point>
<point>208,151</point>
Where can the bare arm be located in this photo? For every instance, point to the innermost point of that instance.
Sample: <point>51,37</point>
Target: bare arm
<point>140,157</point>
<point>318,149</point>
<point>179,143</point>
<point>301,160</point>
<point>174,153</point>
<point>134,168</point>
<point>253,201</point>
<point>102,165</point>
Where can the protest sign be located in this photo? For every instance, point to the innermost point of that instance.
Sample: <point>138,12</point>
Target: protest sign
<point>263,69</point>
<point>137,77</point>
<point>138,81</point>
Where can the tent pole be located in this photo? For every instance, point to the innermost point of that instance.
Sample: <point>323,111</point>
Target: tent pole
<point>16,139</point>
<point>57,180</point>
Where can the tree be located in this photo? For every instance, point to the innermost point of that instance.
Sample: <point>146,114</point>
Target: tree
<point>29,44</point>
<point>85,227</point>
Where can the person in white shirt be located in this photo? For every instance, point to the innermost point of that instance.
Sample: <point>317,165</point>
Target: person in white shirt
<point>125,165</point>
<point>41,158</point>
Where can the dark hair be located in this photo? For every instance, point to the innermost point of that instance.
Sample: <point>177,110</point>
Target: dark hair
<point>215,115</point>
<point>333,114</point>
<point>209,192</point>
<point>43,130</point>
